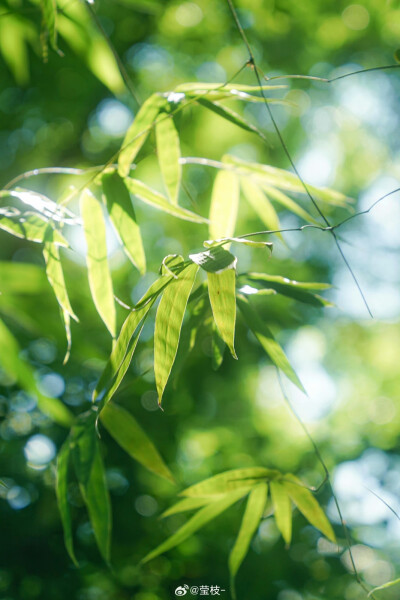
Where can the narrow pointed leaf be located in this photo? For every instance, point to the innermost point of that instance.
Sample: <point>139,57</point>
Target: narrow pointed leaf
<point>83,442</point>
<point>123,219</point>
<point>222,293</point>
<point>282,510</point>
<point>49,9</point>
<point>201,518</point>
<point>168,325</point>
<point>199,86</point>
<point>62,498</point>
<point>238,240</point>
<point>55,275</point>
<point>290,204</point>
<point>188,504</point>
<point>267,341</point>
<point>138,132</point>
<point>158,201</point>
<point>224,205</point>
<point>217,348</point>
<point>230,481</point>
<point>169,153</point>
<point>214,260</point>
<point>32,227</point>
<point>293,289</point>
<point>251,520</point>
<point>96,258</point>
<point>126,431</point>
<point>308,505</point>
<point>260,203</point>
<point>230,115</point>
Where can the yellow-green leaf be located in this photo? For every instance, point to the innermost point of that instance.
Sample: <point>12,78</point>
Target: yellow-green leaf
<point>55,275</point>
<point>96,258</point>
<point>62,481</point>
<point>230,115</point>
<point>224,205</point>
<point>168,325</point>
<point>49,9</point>
<point>123,219</point>
<point>230,481</point>
<point>282,510</point>
<point>214,260</point>
<point>169,153</point>
<point>260,203</point>
<point>130,436</point>
<point>222,293</point>
<point>32,227</point>
<point>297,290</point>
<point>187,504</point>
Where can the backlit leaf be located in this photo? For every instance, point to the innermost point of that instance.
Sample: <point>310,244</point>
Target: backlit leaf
<point>29,226</point>
<point>62,481</point>
<point>230,481</point>
<point>260,203</point>
<point>169,153</point>
<point>188,504</point>
<point>282,509</point>
<point>214,260</point>
<point>130,436</point>
<point>224,205</point>
<point>199,86</point>
<point>55,275</point>
<point>168,325</point>
<point>288,287</point>
<point>217,348</point>
<point>222,293</point>
<point>123,219</point>
<point>230,115</point>
<point>49,9</point>
<point>96,258</point>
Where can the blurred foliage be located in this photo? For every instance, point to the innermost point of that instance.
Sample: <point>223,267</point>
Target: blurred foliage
<point>73,111</point>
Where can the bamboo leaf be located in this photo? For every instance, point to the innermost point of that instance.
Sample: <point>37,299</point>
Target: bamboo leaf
<point>158,201</point>
<point>46,208</point>
<point>218,348</point>
<point>49,10</point>
<point>199,86</point>
<point>308,505</point>
<point>201,518</point>
<point>55,275</point>
<point>230,481</point>
<point>293,289</point>
<point>188,504</point>
<point>169,153</point>
<point>230,115</point>
<point>123,219</point>
<point>138,132</point>
<point>222,293</point>
<point>214,260</point>
<point>21,371</point>
<point>123,427</point>
<point>224,205</point>
<point>251,520</point>
<point>289,204</point>
<point>29,226</point>
<point>96,258</point>
<point>260,203</point>
<point>168,325</point>
<point>238,240</point>
<point>267,341</point>
<point>282,510</point>
<point>62,498</point>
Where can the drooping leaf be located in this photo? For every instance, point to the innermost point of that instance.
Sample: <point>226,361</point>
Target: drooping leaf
<point>308,505</point>
<point>168,324</point>
<point>224,205</point>
<point>222,293</point>
<point>260,203</point>
<point>267,340</point>
<point>96,258</point>
<point>49,9</point>
<point>217,349</point>
<point>138,132</point>
<point>251,520</point>
<point>83,440</point>
<point>62,480</point>
<point>214,260</point>
<point>230,481</point>
<point>230,115</point>
<point>288,287</point>
<point>28,226</point>
<point>282,510</point>
<point>20,370</point>
<point>238,240</point>
<point>130,436</point>
<point>157,200</point>
<point>201,518</point>
<point>55,275</point>
<point>41,204</point>
<point>169,153</point>
<point>290,204</point>
<point>188,504</point>
<point>123,219</point>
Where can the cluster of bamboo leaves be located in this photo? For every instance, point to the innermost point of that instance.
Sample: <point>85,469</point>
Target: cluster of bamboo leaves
<point>205,284</point>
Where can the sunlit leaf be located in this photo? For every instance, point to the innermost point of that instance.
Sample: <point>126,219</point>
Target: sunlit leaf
<point>230,481</point>
<point>40,203</point>
<point>224,205</point>
<point>130,436</point>
<point>201,518</point>
<point>20,370</point>
<point>157,200</point>
<point>217,349</point>
<point>289,204</point>
<point>169,153</point>
<point>49,9</point>
<point>308,505</point>
<point>188,504</point>
<point>267,341</point>
<point>250,522</point>
<point>238,240</point>
<point>62,481</point>
<point>222,293</point>
<point>214,260</point>
<point>168,325</point>
<point>260,203</point>
<point>96,258</point>
<point>55,275</point>
<point>199,86</point>
<point>230,115</point>
<point>29,226</point>
<point>282,510</point>
<point>288,287</point>
<point>138,132</point>
<point>123,218</point>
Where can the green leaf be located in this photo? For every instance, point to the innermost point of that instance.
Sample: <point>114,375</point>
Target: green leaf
<point>224,205</point>
<point>32,227</point>
<point>230,115</point>
<point>96,258</point>
<point>55,275</point>
<point>123,427</point>
<point>251,520</point>
<point>289,204</point>
<point>260,203</point>
<point>282,510</point>
<point>168,325</point>
<point>62,498</point>
<point>21,371</point>
<point>199,86</point>
<point>238,240</point>
<point>308,505</point>
<point>230,481</point>
<point>49,10</point>
<point>138,132</point>
<point>123,219</point>
<point>217,348</point>
<point>83,441</point>
<point>214,260</point>
<point>46,208</point>
<point>267,341</point>
<point>201,518</point>
<point>288,287</point>
<point>389,583</point>
<point>188,504</point>
<point>169,153</point>
<point>158,201</point>
<point>222,293</point>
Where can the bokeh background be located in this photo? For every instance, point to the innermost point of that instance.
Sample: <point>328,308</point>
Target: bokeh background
<point>73,111</point>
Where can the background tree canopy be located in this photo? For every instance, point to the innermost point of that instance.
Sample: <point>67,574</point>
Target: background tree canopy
<point>154,146</point>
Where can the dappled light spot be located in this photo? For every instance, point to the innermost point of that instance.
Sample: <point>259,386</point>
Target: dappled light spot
<point>39,451</point>
<point>52,385</point>
<point>146,506</point>
<point>188,14</point>
<point>18,497</point>
<point>355,16</point>
<point>113,117</point>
